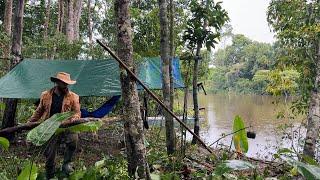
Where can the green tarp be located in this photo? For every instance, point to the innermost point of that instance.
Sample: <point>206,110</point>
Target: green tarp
<point>94,77</point>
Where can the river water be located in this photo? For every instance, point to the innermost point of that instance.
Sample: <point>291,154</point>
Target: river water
<point>257,111</point>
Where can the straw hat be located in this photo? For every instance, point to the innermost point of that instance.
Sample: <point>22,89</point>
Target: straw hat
<point>64,77</point>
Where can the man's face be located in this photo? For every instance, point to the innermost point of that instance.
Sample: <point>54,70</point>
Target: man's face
<point>61,85</point>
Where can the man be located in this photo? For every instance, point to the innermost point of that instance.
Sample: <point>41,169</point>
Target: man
<point>57,100</point>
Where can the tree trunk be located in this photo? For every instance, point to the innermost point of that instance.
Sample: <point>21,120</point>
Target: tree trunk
<point>70,21</point>
<point>195,93</point>
<point>133,126</point>
<point>314,114</point>
<point>7,28</point>
<point>314,106</point>
<point>89,24</point>
<point>164,51</point>
<point>76,18</point>
<point>195,84</point>
<point>59,24</point>
<point>46,24</point>
<point>172,54</point>
<point>60,16</point>
<point>11,104</point>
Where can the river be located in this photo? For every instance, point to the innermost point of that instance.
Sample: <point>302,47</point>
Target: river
<point>257,111</point>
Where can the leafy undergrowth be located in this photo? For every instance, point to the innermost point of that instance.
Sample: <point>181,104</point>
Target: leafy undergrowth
<point>101,155</point>
<point>198,163</point>
<point>106,143</point>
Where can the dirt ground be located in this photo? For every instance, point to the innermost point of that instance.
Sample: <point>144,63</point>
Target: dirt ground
<point>92,147</point>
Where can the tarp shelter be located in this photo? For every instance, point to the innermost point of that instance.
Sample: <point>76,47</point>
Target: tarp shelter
<point>94,77</point>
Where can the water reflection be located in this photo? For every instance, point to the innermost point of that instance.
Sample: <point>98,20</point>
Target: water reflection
<point>260,112</point>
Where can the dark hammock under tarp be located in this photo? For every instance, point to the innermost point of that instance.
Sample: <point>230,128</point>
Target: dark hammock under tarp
<point>102,111</point>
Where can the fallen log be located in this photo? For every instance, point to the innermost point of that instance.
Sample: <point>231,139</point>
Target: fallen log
<point>31,125</point>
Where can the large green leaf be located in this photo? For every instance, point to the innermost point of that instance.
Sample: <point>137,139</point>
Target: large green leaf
<point>240,138</point>
<point>42,133</point>
<point>309,171</point>
<point>92,126</point>
<point>29,172</point>
<point>229,165</point>
<point>4,143</point>
<point>238,164</point>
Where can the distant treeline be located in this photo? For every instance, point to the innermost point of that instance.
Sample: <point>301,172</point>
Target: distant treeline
<point>248,66</point>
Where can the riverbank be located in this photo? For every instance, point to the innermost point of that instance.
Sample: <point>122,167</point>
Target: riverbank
<point>108,144</point>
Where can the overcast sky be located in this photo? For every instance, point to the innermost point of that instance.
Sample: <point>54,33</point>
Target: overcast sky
<point>249,17</point>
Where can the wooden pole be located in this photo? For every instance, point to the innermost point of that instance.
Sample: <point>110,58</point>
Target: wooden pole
<point>152,94</point>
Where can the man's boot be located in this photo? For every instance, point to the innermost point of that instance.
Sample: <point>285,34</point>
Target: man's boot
<point>67,168</point>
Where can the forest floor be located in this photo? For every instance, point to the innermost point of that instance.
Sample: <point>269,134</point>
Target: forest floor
<point>108,142</point>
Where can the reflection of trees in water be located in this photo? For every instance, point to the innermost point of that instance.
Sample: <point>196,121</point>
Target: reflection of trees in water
<point>258,111</point>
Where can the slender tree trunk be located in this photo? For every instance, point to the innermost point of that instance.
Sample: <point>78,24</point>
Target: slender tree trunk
<point>195,93</point>
<point>11,104</point>
<point>89,23</point>
<point>172,54</point>
<point>195,83</point>
<point>185,107</point>
<point>164,51</point>
<point>46,24</point>
<point>7,28</point>
<point>70,21</point>
<point>76,18</point>
<point>7,17</point>
<point>314,114</point>
<point>60,23</point>
<point>60,17</point>
<point>133,126</point>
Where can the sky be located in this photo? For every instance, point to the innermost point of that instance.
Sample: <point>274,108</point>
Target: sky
<point>249,17</point>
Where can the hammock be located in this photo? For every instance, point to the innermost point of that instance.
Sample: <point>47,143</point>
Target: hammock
<point>102,111</point>
<point>105,109</point>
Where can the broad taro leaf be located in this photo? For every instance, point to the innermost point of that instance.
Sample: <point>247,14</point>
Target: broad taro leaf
<point>42,133</point>
<point>238,164</point>
<point>29,172</point>
<point>309,171</point>
<point>84,127</point>
<point>4,143</point>
<point>240,138</point>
